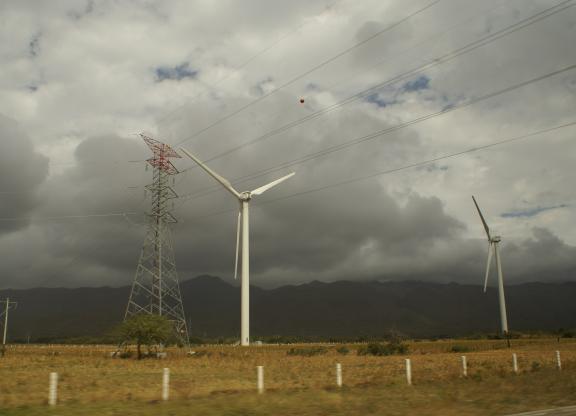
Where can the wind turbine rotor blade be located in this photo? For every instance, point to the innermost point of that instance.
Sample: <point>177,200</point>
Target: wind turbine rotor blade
<point>264,188</point>
<point>482,218</point>
<point>223,181</point>
<point>237,245</point>
<point>488,263</point>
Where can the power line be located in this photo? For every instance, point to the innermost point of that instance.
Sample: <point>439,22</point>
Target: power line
<point>405,167</point>
<point>124,188</point>
<point>104,162</point>
<point>248,61</point>
<point>388,58</point>
<point>434,62</point>
<point>427,40</point>
<point>309,71</point>
<point>395,128</point>
<point>112,214</point>
<point>479,13</point>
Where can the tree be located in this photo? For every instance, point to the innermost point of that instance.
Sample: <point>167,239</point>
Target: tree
<point>146,330</point>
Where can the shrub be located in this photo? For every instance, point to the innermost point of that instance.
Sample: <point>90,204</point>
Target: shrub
<point>146,330</point>
<point>535,366</point>
<point>342,350</point>
<point>379,349</point>
<point>307,352</point>
<point>280,339</point>
<point>459,348</point>
<point>124,354</point>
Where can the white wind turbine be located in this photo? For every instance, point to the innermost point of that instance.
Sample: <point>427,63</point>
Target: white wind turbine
<point>244,230</point>
<point>493,242</point>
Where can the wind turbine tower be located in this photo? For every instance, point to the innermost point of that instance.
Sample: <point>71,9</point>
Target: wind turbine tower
<point>155,289</point>
<point>493,247</point>
<point>243,231</point>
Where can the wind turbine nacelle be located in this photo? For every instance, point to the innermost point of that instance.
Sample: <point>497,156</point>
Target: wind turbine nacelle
<point>246,196</point>
<point>496,239</point>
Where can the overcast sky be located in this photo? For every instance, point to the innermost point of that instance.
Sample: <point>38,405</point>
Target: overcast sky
<point>78,79</point>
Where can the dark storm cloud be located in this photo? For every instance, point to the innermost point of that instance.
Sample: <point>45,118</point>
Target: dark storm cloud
<point>353,232</point>
<point>416,224</point>
<point>544,257</point>
<point>345,232</point>
<point>349,228</point>
<point>348,233</point>
<point>22,170</point>
<point>68,246</point>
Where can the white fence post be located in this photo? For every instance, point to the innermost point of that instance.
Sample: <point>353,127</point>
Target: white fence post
<point>464,366</point>
<point>166,384</point>
<point>53,389</point>
<point>558,361</point>
<point>338,374</point>
<point>408,371</point>
<point>515,362</point>
<point>260,382</point>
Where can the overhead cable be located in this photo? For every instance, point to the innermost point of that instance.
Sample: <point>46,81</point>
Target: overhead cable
<point>405,75</point>
<point>247,61</point>
<point>405,167</point>
<point>64,217</point>
<point>307,72</point>
<point>400,126</point>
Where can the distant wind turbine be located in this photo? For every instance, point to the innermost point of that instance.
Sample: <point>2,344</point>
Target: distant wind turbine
<point>243,229</point>
<point>493,242</point>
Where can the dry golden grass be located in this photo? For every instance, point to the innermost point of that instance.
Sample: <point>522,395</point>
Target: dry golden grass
<point>88,376</point>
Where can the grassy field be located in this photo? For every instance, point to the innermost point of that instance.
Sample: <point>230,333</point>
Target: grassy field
<point>223,380</point>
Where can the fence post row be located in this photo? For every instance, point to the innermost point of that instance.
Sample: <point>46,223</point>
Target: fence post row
<point>260,381</point>
<point>53,389</point>
<point>53,380</point>
<point>166,384</point>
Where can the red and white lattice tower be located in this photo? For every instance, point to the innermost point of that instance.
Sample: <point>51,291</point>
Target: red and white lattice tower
<point>156,290</point>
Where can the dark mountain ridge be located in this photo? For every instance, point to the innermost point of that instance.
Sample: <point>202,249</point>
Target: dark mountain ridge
<point>342,309</point>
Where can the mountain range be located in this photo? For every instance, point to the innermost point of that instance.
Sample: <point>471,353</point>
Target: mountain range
<point>315,310</point>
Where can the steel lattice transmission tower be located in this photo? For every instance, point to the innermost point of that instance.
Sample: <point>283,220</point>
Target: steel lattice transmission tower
<point>156,290</point>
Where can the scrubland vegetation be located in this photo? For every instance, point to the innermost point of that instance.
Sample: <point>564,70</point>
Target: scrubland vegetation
<point>298,379</point>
